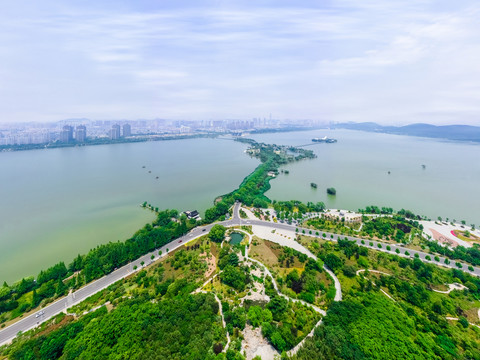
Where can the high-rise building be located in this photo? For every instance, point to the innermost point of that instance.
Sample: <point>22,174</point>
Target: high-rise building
<point>115,132</point>
<point>127,130</point>
<point>67,134</point>
<point>81,133</point>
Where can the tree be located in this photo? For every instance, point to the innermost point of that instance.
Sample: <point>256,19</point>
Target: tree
<point>233,259</point>
<point>255,316</point>
<point>260,203</point>
<point>217,233</point>
<point>399,235</point>
<point>234,277</point>
<point>349,271</point>
<point>277,305</point>
<point>463,321</point>
<point>333,261</point>
<point>61,288</point>
<point>331,191</point>
<point>35,298</point>
<point>278,341</point>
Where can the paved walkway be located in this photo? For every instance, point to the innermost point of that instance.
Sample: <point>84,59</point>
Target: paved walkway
<point>451,287</point>
<point>31,321</point>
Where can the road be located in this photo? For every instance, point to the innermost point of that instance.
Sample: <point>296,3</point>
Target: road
<point>8,334</point>
<point>374,246</point>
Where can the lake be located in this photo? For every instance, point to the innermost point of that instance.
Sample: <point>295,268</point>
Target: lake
<point>58,203</point>
<point>357,167</point>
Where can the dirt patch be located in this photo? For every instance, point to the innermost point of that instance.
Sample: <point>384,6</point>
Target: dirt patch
<point>54,326</point>
<point>254,344</point>
<point>268,252</point>
<point>259,250</point>
<point>257,293</point>
<point>211,264</point>
<point>472,315</point>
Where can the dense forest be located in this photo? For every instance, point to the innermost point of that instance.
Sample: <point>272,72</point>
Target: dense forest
<point>183,327</point>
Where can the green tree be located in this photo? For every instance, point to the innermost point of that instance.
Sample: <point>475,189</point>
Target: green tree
<point>333,261</point>
<point>331,191</point>
<point>277,305</point>
<point>234,277</point>
<point>255,316</point>
<point>217,233</point>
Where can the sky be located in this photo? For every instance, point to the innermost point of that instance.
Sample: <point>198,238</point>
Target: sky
<point>391,62</point>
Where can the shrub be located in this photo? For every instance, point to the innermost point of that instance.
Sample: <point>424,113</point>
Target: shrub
<point>349,271</point>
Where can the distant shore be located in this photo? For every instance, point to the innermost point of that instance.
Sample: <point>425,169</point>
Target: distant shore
<point>102,141</point>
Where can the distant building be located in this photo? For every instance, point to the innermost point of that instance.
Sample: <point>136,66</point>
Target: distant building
<point>81,133</point>
<point>115,132</point>
<point>67,134</point>
<point>127,130</point>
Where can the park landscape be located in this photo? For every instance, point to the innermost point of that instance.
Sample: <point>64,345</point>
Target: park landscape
<point>303,282</point>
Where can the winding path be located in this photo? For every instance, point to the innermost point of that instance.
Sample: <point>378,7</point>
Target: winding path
<point>451,287</point>
<point>378,272</point>
<point>30,321</point>
<point>316,308</point>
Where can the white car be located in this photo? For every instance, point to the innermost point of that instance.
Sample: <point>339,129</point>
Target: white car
<point>39,314</point>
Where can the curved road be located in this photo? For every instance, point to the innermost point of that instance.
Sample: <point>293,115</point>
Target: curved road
<point>9,333</point>
<point>374,246</point>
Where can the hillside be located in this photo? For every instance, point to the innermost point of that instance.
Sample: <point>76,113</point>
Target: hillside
<point>450,132</point>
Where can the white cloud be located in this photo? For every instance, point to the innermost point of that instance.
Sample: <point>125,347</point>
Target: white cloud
<point>350,60</point>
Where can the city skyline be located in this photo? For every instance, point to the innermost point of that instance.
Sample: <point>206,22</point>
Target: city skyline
<point>335,62</point>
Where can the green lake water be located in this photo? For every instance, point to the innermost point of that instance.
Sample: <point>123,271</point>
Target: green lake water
<point>57,203</point>
<point>358,165</point>
<point>235,238</point>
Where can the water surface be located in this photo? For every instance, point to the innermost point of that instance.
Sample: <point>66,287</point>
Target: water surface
<point>57,203</point>
<point>358,165</point>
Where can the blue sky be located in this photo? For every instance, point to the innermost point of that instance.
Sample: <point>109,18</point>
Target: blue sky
<point>392,62</point>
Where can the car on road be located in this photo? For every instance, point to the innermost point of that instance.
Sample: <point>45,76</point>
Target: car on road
<point>204,229</point>
<point>40,313</point>
<point>179,241</point>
